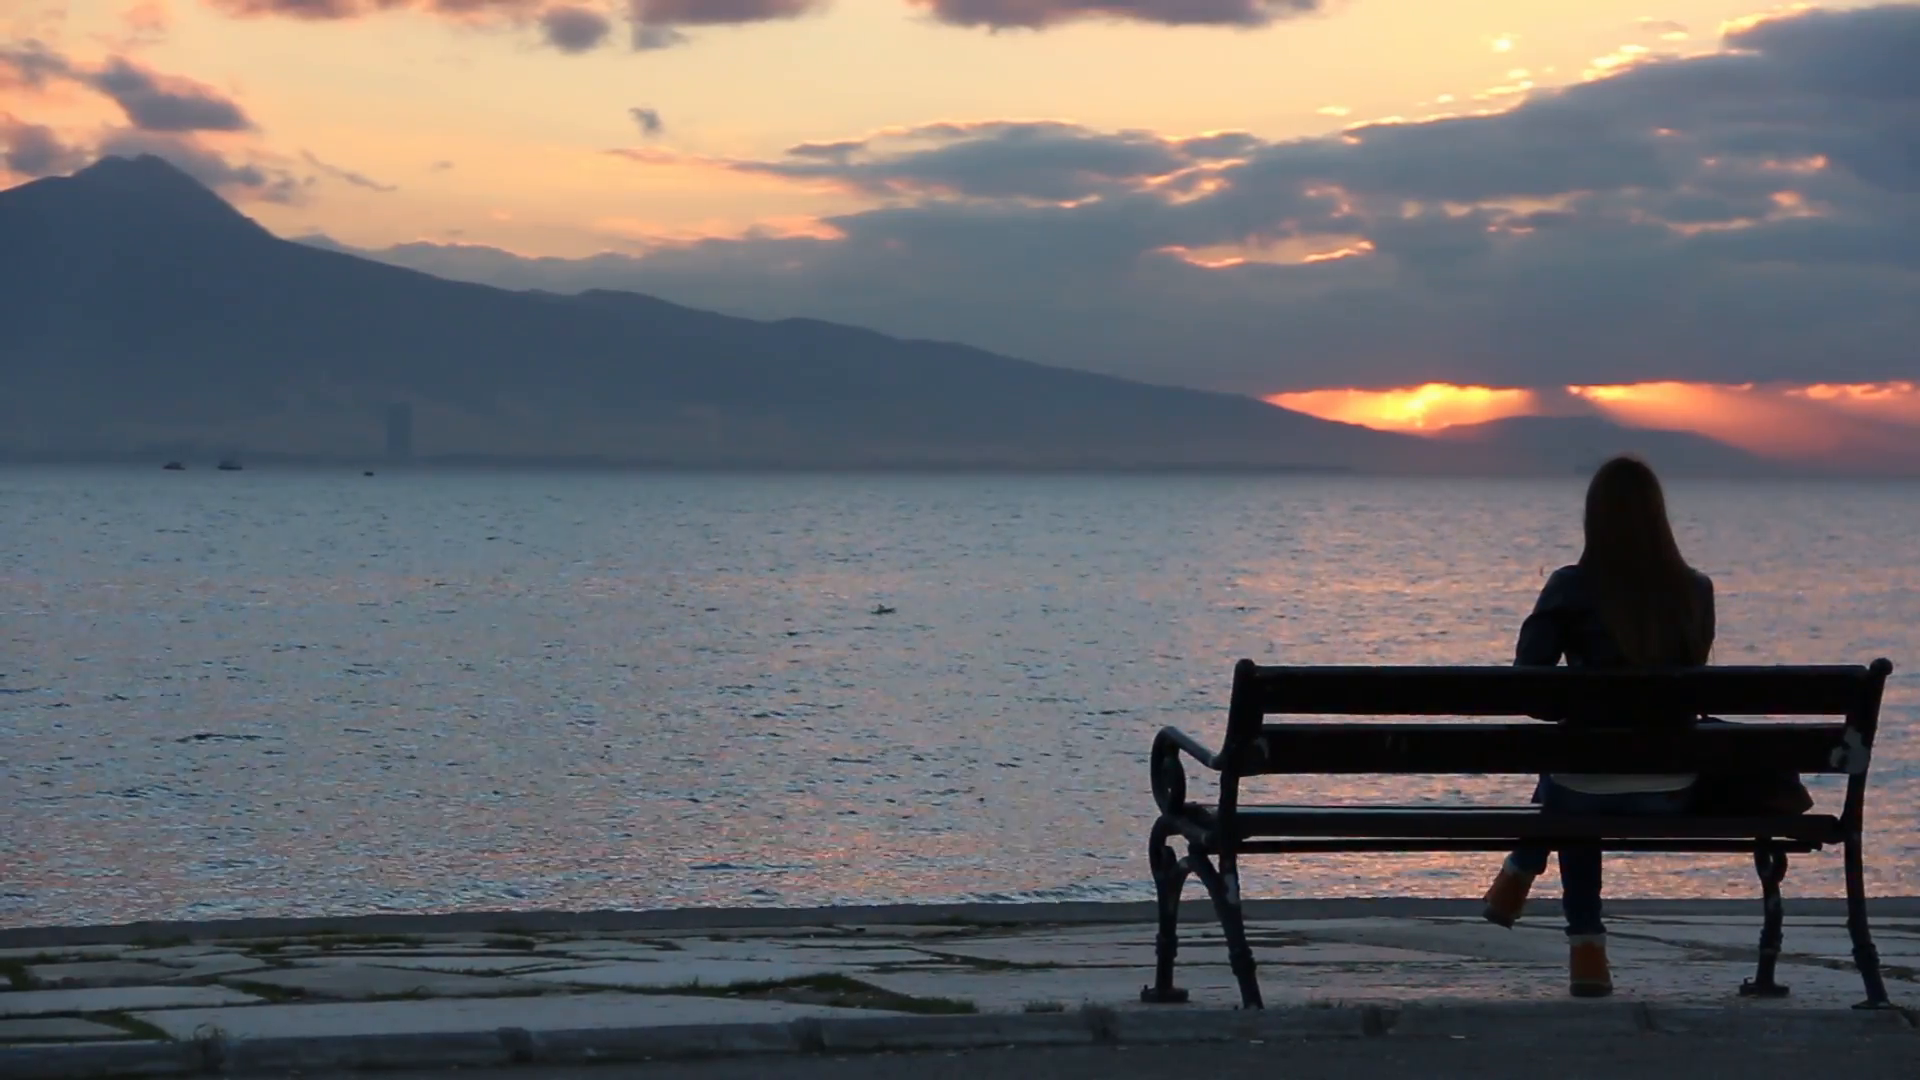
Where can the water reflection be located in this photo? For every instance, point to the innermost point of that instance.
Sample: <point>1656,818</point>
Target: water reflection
<point>285,693</point>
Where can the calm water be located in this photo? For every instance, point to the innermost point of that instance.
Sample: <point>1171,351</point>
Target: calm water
<point>300,693</point>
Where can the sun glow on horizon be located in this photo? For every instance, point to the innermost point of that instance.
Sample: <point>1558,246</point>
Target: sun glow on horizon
<point>1424,408</point>
<point>1832,423</point>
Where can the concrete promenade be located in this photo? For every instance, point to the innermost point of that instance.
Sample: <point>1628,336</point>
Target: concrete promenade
<point>400,991</point>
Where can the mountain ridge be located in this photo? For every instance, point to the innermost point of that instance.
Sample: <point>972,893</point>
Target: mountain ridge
<point>1583,441</point>
<point>147,312</point>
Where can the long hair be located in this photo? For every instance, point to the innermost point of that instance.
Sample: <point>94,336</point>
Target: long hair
<point>1644,589</point>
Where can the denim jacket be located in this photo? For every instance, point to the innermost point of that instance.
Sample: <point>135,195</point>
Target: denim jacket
<point>1566,623</point>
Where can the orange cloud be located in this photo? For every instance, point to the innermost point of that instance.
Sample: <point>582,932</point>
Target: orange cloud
<point>1858,425</point>
<point>1897,402</point>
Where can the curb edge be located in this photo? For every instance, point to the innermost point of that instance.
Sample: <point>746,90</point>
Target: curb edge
<point>1088,1026</point>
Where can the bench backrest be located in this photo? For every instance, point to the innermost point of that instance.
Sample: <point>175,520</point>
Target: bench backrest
<point>1600,705</point>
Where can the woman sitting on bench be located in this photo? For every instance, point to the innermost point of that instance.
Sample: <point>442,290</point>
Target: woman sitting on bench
<point>1631,601</point>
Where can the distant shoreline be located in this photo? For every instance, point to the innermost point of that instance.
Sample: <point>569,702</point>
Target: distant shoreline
<point>201,462</point>
<point>453,463</point>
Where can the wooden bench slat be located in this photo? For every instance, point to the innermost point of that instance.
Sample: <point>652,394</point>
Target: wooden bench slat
<point>1831,690</point>
<point>1515,823</point>
<point>1321,845</point>
<point>1305,747</point>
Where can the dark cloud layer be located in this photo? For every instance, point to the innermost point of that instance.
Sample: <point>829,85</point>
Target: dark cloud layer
<point>1036,14</point>
<point>656,24</point>
<point>648,121</point>
<point>347,176</point>
<point>156,106</point>
<point>716,12</point>
<point>574,29</point>
<point>353,9</point>
<point>1046,161</point>
<point>1746,215</point>
<point>33,150</point>
<point>151,102</point>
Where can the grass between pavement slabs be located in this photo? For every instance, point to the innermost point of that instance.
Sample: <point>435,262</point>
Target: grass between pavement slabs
<point>272,992</point>
<point>14,972</point>
<point>838,991</point>
<point>327,943</point>
<point>132,1025</point>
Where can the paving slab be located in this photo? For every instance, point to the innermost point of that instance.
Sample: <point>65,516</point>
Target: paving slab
<point>423,950</point>
<point>556,1013</point>
<point>603,949</point>
<point>1347,953</point>
<point>117,999</point>
<point>1538,943</point>
<point>357,982</point>
<point>63,952</point>
<point>57,1029</point>
<point>675,971</point>
<point>1537,910</point>
<point>847,955</point>
<point>1891,954</point>
<point>1282,927</point>
<point>1803,938</point>
<point>177,955</point>
<point>1813,986</point>
<point>214,965</point>
<point>490,964</point>
<point>1212,984</point>
<point>1124,934</point>
<point>1015,951</point>
<point>907,930</point>
<point>748,932</point>
<point>1016,991</point>
<point>94,973</point>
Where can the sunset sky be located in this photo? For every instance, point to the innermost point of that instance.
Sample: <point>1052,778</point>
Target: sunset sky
<point>1682,213</point>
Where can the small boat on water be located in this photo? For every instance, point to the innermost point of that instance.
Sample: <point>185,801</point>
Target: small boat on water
<point>228,465</point>
<point>173,466</point>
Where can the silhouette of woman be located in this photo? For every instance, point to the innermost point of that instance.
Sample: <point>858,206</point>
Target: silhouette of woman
<point>1631,601</point>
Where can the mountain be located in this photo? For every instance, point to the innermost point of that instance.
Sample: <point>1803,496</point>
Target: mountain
<point>1581,443</point>
<point>142,311</point>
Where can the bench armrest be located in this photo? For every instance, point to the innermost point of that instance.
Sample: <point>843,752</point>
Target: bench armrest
<point>1169,775</point>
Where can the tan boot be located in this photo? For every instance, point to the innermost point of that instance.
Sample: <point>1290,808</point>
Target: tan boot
<point>1588,975</point>
<point>1507,897</point>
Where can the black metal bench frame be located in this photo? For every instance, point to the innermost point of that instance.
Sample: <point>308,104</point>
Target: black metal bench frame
<point>1582,700</point>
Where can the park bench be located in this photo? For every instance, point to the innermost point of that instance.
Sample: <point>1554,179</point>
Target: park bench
<point>1587,704</point>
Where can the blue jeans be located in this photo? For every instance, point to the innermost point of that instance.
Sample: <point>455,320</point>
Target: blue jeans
<point>1580,863</point>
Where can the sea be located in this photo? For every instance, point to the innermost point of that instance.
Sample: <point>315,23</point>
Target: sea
<point>311,692</point>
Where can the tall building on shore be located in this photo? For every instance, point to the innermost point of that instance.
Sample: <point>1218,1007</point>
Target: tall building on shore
<point>400,431</point>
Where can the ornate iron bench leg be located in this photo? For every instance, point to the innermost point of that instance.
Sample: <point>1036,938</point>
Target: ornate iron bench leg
<point>1169,878</point>
<point>1771,865</point>
<point>1225,891</point>
<point>1865,956</point>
